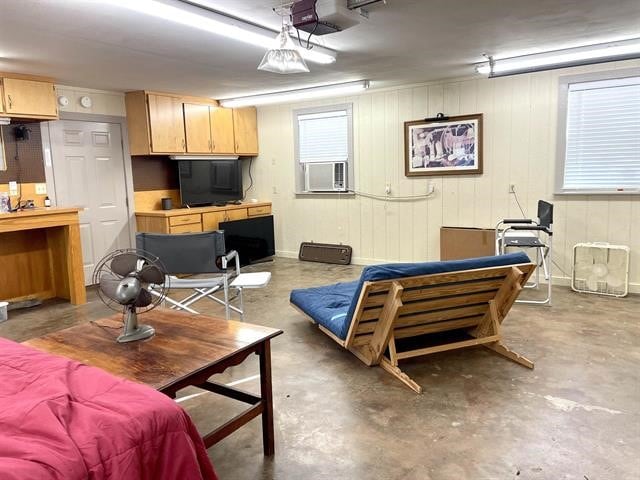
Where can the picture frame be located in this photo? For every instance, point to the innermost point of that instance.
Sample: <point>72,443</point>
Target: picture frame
<point>443,146</point>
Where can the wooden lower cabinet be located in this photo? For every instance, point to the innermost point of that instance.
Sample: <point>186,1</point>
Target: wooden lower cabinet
<point>201,219</point>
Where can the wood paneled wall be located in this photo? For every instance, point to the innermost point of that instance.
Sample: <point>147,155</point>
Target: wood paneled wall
<point>520,118</point>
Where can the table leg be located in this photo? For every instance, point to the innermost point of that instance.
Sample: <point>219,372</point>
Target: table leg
<point>267,398</point>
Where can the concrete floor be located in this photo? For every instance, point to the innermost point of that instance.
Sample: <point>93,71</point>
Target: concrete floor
<point>576,416</point>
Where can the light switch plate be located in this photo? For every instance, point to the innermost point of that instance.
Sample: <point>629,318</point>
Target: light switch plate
<point>41,188</point>
<point>13,188</point>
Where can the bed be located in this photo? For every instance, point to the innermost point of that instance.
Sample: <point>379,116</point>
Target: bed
<point>60,419</point>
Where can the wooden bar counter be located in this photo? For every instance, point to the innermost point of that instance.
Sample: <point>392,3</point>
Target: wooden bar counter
<point>41,255</point>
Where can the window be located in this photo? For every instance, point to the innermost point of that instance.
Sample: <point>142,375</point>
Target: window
<point>324,149</point>
<point>599,144</point>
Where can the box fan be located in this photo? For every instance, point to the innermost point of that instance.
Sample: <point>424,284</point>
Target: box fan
<point>600,268</point>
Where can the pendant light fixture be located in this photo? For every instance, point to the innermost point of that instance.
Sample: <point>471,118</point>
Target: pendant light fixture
<point>284,57</point>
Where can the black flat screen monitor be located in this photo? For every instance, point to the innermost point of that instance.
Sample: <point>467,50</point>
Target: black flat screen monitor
<point>206,182</point>
<point>251,238</point>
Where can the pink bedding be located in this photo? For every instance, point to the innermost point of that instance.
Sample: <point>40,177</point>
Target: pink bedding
<point>63,420</point>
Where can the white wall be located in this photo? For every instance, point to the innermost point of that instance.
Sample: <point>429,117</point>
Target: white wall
<point>520,117</point>
<point>103,102</point>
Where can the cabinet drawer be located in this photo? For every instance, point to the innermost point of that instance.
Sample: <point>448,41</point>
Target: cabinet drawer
<point>255,211</point>
<point>235,214</point>
<point>189,228</point>
<point>210,220</point>
<point>184,219</point>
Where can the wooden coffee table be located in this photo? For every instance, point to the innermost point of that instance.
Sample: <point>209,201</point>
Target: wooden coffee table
<point>185,351</point>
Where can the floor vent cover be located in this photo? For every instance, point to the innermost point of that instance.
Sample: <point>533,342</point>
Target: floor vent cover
<point>325,253</point>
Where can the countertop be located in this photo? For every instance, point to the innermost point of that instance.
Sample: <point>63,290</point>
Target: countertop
<point>187,211</point>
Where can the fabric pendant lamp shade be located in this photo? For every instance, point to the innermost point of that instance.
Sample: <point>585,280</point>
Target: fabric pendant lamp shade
<point>284,57</point>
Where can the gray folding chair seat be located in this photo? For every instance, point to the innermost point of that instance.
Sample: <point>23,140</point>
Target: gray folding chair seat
<point>201,253</point>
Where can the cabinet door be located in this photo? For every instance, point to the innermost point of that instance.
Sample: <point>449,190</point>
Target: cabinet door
<point>29,97</point>
<point>166,122</point>
<point>245,128</point>
<point>1,97</point>
<point>197,128</point>
<point>210,220</point>
<point>222,130</point>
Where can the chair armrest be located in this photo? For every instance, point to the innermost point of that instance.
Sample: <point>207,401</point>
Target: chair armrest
<point>532,227</point>
<point>232,254</point>
<point>517,220</point>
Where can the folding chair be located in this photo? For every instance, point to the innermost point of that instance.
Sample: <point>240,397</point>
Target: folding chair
<point>525,233</point>
<point>201,253</point>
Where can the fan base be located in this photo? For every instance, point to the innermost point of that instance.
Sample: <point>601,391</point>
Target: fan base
<point>140,333</point>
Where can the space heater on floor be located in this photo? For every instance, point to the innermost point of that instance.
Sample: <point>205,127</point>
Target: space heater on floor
<point>600,268</point>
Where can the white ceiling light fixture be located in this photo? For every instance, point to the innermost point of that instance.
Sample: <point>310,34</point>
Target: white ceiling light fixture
<point>284,57</point>
<point>333,90</point>
<point>569,57</point>
<point>207,20</point>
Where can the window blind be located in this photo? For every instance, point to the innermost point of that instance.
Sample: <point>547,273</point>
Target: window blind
<point>323,137</point>
<point>603,136</point>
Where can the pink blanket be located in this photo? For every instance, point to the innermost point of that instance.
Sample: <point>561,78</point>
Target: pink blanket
<point>60,419</point>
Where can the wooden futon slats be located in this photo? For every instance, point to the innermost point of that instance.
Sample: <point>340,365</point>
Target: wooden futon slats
<point>473,302</point>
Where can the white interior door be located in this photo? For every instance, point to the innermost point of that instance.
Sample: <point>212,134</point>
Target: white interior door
<point>88,171</point>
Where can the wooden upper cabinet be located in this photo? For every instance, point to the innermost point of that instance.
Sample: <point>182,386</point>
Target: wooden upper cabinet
<point>29,98</point>
<point>222,135</point>
<point>197,128</point>
<point>166,122</point>
<point>245,127</point>
<point>1,98</point>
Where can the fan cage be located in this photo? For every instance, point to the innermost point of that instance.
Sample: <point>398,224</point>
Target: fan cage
<point>104,266</point>
<point>600,268</point>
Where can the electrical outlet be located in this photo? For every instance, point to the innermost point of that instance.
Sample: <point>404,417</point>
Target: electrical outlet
<point>13,188</point>
<point>41,188</point>
<point>387,188</point>
<point>512,188</point>
<point>274,190</point>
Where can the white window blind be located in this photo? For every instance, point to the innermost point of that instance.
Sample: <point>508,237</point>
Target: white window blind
<point>603,136</point>
<point>323,137</point>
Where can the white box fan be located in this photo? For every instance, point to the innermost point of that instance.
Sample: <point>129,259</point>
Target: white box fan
<point>600,268</point>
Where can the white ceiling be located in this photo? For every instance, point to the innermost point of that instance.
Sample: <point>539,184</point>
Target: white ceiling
<point>90,43</point>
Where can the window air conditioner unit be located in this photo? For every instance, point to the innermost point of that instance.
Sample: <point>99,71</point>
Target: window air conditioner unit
<point>325,177</point>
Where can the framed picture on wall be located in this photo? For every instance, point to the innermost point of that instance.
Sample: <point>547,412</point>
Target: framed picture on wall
<point>443,146</point>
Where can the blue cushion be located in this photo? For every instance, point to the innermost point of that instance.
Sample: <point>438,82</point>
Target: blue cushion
<point>327,305</point>
<point>333,306</point>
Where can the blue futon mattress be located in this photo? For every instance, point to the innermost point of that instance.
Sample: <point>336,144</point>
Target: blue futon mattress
<point>332,306</point>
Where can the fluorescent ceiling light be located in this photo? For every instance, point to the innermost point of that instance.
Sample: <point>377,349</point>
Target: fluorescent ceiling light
<point>216,23</point>
<point>334,90</point>
<point>588,54</point>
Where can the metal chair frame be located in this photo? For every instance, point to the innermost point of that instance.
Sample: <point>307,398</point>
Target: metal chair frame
<point>544,249</point>
<point>209,247</point>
